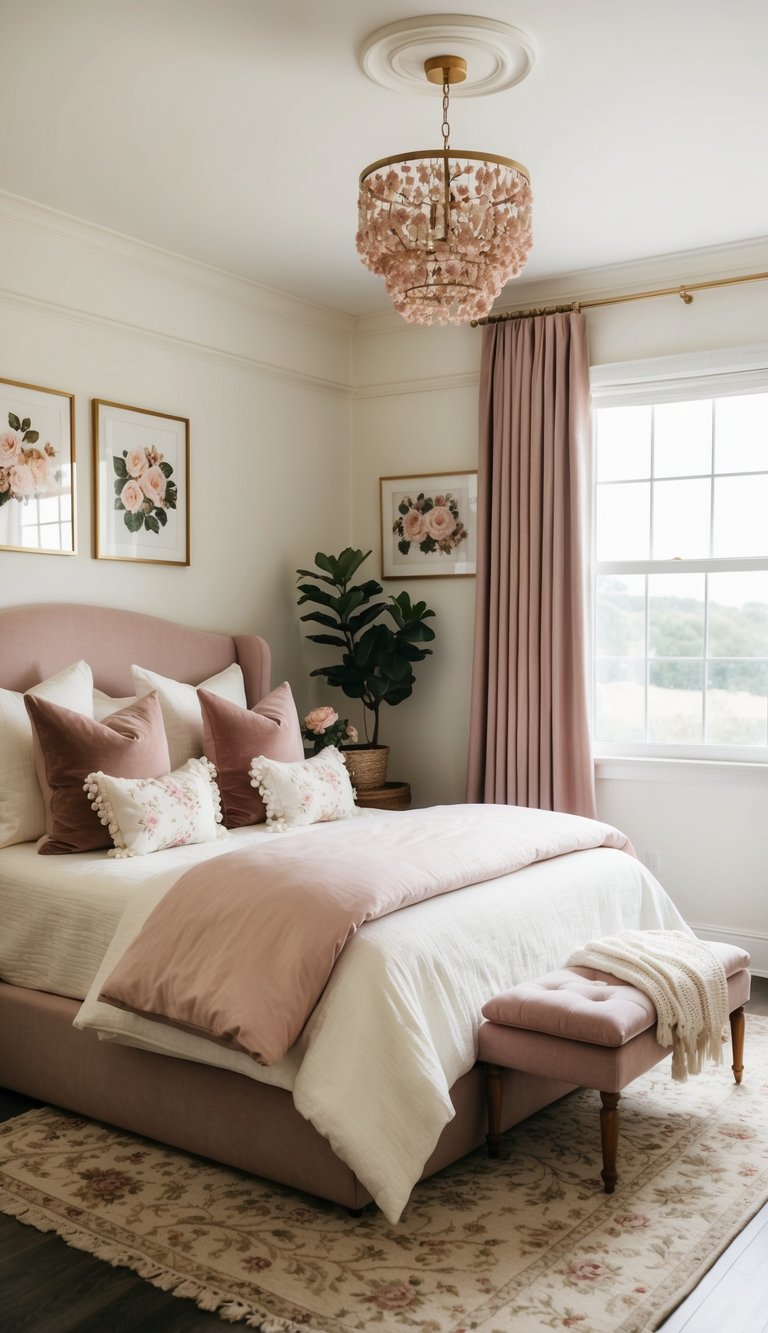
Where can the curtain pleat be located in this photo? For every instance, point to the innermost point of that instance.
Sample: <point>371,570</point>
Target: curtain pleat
<point>529,729</point>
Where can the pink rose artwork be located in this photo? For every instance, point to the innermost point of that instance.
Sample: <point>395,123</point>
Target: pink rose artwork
<point>22,480</point>
<point>10,448</point>
<point>132,496</point>
<point>39,468</point>
<point>152,483</point>
<point>135,462</point>
<point>439,522</point>
<point>414,526</point>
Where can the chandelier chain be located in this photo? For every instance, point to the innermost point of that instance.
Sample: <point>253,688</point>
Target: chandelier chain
<point>445,127</point>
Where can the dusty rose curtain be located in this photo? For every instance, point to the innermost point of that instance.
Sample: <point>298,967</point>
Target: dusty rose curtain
<point>529,734</point>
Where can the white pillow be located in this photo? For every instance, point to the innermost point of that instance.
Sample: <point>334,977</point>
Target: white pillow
<point>307,792</point>
<point>104,704</point>
<point>181,706</point>
<point>22,813</point>
<point>147,814</point>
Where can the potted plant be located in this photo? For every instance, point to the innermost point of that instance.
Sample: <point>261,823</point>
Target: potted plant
<point>377,659</point>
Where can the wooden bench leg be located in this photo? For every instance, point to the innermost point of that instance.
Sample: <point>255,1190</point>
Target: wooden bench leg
<point>737,1042</point>
<point>609,1135</point>
<point>494,1094</point>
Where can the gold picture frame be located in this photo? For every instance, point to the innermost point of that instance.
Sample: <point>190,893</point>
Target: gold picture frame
<point>37,469</point>
<point>429,525</point>
<point>140,484</point>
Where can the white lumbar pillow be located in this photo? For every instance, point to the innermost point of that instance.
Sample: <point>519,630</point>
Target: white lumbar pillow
<point>22,813</point>
<point>180,705</point>
<point>149,814</point>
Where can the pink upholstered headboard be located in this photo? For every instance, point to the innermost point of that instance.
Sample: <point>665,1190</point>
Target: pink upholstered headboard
<point>36,641</point>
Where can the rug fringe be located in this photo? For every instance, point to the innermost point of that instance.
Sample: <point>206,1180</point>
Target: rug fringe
<point>231,1309</point>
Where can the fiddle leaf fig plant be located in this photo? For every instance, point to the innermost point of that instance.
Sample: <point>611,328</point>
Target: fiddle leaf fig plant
<point>376,660</point>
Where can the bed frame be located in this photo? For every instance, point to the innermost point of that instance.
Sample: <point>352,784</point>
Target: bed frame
<point>212,1112</point>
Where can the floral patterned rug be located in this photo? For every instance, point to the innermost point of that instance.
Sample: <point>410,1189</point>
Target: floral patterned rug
<point>528,1242</point>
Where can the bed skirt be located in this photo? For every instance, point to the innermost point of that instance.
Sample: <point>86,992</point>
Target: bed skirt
<point>214,1112</point>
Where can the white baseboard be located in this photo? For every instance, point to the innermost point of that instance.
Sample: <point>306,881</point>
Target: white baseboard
<point>755,942</point>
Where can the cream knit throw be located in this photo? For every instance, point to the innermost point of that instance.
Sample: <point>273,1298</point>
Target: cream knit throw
<point>686,982</point>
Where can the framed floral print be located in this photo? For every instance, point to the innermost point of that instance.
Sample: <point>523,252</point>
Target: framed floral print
<point>141,485</point>
<point>428,525</point>
<point>37,469</point>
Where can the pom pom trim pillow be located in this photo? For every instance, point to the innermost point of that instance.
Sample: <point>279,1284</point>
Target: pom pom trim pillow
<point>233,736</point>
<point>145,815</point>
<point>311,792</point>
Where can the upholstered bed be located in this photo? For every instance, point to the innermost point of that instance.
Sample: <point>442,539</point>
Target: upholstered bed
<point>214,1111</point>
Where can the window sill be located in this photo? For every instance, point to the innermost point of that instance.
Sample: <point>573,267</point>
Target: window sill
<point>680,772</point>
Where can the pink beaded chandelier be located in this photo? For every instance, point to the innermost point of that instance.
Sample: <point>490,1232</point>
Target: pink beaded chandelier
<point>446,230</point>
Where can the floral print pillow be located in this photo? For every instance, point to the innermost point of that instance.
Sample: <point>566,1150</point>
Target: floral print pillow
<point>148,814</point>
<point>308,792</point>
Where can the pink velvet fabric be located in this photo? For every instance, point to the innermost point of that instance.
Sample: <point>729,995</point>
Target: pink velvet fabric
<point>529,734</point>
<point>568,1004</point>
<point>234,737</point>
<point>130,743</point>
<point>607,1068</point>
<point>36,641</point>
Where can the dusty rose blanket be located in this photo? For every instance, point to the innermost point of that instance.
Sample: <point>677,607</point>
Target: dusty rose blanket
<point>240,947</point>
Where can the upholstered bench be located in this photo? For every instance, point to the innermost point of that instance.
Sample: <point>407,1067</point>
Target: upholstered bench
<point>589,1028</point>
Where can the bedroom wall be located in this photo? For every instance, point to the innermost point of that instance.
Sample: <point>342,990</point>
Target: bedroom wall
<point>415,410</point>
<point>264,380</point>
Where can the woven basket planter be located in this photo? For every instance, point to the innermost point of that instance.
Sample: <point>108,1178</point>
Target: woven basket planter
<point>367,765</point>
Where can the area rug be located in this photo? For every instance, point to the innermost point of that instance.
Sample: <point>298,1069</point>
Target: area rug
<point>527,1242</point>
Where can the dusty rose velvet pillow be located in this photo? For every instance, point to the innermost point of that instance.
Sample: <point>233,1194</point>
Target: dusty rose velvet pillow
<point>128,744</point>
<point>234,737</point>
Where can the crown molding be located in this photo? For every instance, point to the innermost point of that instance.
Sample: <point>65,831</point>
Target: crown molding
<point>717,261</point>
<point>27,215</point>
<point>170,342</point>
<point>435,384</point>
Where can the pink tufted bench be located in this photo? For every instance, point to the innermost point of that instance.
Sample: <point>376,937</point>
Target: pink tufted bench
<point>589,1028</point>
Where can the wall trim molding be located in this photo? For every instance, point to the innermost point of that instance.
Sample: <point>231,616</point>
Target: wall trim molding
<point>754,941</point>
<point>691,772</point>
<point>27,215</point>
<point>434,384</point>
<point>170,342</point>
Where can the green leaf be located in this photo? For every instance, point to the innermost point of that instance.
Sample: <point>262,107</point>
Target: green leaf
<point>151,523</point>
<point>166,469</point>
<point>349,601</point>
<point>134,522</point>
<point>31,436</point>
<point>119,484</point>
<point>319,618</point>
<point>170,501</point>
<point>13,421</point>
<point>417,633</point>
<point>311,593</point>
<point>313,574</point>
<point>358,622</point>
<point>26,423</point>
<point>331,639</point>
<point>161,517</point>
<point>119,466</point>
<point>119,504</point>
<point>324,562</point>
<point>4,497</point>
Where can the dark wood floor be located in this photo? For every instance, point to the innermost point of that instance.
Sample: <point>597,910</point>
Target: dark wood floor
<point>47,1287</point>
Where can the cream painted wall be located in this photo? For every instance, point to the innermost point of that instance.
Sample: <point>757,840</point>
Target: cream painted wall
<point>415,410</point>
<point>264,380</point>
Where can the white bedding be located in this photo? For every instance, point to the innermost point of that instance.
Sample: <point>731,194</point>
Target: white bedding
<point>58,914</point>
<point>397,1023</point>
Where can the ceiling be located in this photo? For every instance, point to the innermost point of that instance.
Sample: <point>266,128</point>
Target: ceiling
<point>233,131</point>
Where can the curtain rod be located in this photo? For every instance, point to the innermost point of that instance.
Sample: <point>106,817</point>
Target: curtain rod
<point>683,291</point>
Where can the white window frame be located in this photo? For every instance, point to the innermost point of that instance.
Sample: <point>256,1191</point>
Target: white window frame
<point>682,378</point>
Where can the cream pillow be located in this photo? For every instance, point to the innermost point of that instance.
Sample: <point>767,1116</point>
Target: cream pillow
<point>181,707</point>
<point>104,704</point>
<point>308,792</point>
<point>148,814</point>
<point>22,813</point>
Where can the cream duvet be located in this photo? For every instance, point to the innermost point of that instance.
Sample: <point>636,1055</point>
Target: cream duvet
<point>396,1024</point>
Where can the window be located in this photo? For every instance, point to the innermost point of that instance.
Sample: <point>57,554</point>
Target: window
<point>681,571</point>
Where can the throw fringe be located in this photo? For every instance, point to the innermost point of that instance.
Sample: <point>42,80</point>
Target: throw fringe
<point>232,1309</point>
